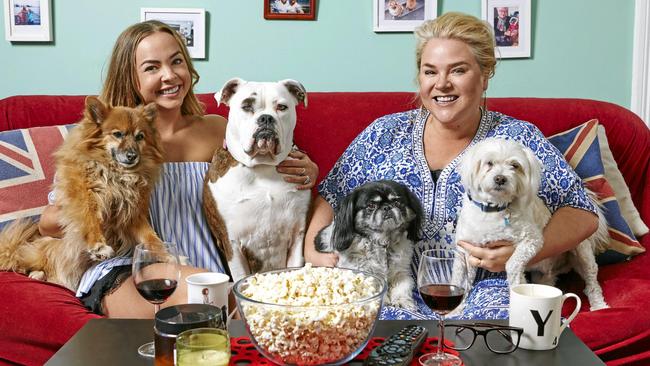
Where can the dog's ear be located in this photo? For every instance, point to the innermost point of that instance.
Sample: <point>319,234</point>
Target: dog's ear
<point>150,111</point>
<point>415,226</point>
<point>297,90</point>
<point>469,167</point>
<point>535,172</point>
<point>228,90</point>
<point>96,110</point>
<point>344,230</point>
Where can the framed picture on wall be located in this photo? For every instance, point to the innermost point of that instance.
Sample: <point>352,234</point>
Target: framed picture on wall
<point>511,21</point>
<point>290,9</point>
<point>402,15</point>
<point>28,20</point>
<point>189,22</point>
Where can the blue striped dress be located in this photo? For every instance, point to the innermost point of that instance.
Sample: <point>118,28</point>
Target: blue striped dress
<point>176,214</point>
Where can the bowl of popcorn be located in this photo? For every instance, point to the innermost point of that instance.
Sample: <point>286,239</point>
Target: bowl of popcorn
<point>310,315</point>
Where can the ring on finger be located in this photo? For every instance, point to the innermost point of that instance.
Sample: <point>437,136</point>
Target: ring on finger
<point>307,180</point>
<point>303,171</point>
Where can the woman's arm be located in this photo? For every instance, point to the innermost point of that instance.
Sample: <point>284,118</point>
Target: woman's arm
<point>567,228</point>
<point>48,225</point>
<point>322,215</point>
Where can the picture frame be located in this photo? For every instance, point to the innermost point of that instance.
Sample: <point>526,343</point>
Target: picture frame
<point>402,15</point>
<point>189,22</point>
<point>28,20</point>
<point>513,32</point>
<point>290,9</point>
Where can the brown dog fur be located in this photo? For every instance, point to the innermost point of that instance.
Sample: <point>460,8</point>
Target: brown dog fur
<point>222,161</point>
<point>103,196</point>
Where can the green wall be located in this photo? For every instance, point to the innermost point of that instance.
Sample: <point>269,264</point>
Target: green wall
<point>580,48</point>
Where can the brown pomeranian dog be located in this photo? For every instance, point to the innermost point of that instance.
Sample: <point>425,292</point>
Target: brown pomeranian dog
<point>105,171</point>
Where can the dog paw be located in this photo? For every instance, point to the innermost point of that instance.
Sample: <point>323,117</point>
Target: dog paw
<point>404,303</point>
<point>37,275</point>
<point>101,252</point>
<point>599,306</point>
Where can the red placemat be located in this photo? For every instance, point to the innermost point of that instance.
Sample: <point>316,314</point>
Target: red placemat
<point>244,352</point>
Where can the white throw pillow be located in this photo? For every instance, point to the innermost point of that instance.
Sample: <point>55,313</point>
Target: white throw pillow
<point>621,191</point>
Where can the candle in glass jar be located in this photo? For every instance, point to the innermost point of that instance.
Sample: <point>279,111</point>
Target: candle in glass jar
<point>203,346</point>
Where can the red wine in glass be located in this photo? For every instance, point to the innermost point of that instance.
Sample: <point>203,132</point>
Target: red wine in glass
<point>156,291</point>
<point>156,272</point>
<point>442,290</point>
<point>442,298</point>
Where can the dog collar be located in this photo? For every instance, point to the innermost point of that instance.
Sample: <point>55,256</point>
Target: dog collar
<point>490,207</point>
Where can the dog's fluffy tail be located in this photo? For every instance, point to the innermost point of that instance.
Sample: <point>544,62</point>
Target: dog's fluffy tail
<point>600,239</point>
<point>15,235</point>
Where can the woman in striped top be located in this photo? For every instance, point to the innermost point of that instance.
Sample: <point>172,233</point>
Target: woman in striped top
<point>150,63</point>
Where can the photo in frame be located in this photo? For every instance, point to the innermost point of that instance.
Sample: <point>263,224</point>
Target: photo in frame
<point>189,22</point>
<point>28,20</point>
<point>511,22</point>
<point>290,9</point>
<point>402,15</point>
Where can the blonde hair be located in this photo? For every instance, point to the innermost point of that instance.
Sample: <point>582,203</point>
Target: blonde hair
<point>121,85</point>
<point>468,29</point>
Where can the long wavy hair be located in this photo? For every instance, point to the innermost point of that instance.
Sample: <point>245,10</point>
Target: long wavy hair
<point>121,87</point>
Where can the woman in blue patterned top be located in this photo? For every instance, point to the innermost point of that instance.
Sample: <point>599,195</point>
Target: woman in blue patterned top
<point>150,63</point>
<point>421,148</point>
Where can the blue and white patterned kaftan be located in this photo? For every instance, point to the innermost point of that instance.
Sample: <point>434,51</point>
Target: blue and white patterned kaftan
<point>392,148</point>
<point>176,215</point>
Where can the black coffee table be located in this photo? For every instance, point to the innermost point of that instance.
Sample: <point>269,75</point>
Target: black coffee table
<point>113,342</point>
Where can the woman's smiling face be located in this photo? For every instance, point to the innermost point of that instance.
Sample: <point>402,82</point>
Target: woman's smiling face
<point>451,81</point>
<point>163,75</point>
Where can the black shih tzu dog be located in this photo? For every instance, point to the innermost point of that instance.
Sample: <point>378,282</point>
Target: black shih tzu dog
<point>374,229</point>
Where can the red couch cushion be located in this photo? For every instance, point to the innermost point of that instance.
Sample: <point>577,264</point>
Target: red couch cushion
<point>37,319</point>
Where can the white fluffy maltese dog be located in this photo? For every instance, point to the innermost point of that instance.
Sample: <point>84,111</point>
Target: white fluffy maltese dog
<point>501,180</point>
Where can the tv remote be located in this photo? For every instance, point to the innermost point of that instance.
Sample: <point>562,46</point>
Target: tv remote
<point>399,348</point>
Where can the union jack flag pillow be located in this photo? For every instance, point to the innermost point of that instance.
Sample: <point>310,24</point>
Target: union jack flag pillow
<point>27,170</point>
<point>581,149</point>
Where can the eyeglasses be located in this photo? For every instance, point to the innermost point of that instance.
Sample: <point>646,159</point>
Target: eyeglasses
<point>498,339</point>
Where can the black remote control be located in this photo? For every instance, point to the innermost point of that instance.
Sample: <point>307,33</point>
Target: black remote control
<point>399,348</point>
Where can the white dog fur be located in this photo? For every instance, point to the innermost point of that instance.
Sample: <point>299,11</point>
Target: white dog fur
<point>501,180</point>
<point>257,218</point>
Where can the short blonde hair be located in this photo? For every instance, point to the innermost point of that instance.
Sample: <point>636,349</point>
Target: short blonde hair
<point>474,32</point>
<point>121,85</point>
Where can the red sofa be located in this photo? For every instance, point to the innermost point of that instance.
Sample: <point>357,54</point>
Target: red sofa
<point>37,318</point>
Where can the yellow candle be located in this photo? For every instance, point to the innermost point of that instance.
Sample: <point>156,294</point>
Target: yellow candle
<point>203,358</point>
<point>203,346</point>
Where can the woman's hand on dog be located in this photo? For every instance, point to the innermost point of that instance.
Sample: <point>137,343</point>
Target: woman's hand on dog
<point>300,170</point>
<point>492,257</point>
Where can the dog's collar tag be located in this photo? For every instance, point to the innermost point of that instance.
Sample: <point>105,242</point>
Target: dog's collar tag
<point>490,207</point>
<point>506,219</point>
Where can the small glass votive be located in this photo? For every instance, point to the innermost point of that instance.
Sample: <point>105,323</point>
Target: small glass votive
<point>203,346</point>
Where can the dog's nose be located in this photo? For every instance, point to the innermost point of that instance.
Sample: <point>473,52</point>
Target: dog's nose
<point>265,121</point>
<point>131,156</point>
<point>500,180</point>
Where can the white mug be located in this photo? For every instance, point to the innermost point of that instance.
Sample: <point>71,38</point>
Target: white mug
<point>537,309</point>
<point>208,288</point>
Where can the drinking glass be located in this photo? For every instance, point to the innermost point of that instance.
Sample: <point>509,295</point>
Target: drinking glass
<point>156,272</point>
<point>443,289</point>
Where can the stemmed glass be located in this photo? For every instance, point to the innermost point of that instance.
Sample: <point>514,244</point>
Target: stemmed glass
<point>443,289</point>
<point>156,272</point>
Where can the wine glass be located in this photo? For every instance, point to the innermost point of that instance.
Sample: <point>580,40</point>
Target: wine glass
<point>156,272</point>
<point>443,289</point>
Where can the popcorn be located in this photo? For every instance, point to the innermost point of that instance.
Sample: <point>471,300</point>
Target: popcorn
<point>316,319</point>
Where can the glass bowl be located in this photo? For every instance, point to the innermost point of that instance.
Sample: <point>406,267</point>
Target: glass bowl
<point>310,315</point>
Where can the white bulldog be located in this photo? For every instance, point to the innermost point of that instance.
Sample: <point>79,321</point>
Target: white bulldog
<point>258,220</point>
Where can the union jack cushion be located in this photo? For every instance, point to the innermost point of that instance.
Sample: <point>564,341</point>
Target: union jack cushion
<point>581,149</point>
<point>27,170</point>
